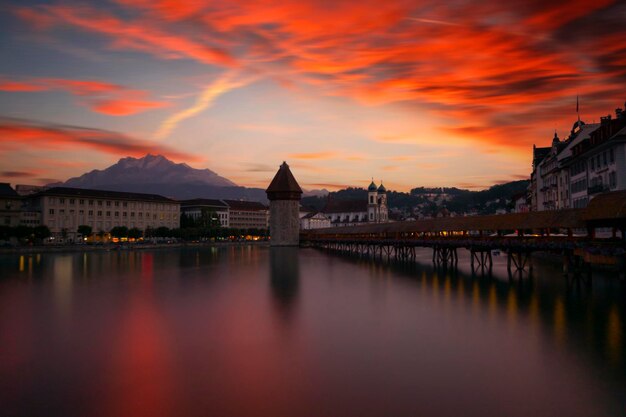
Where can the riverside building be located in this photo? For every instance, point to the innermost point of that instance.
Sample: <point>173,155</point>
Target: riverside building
<point>63,209</point>
<point>590,161</point>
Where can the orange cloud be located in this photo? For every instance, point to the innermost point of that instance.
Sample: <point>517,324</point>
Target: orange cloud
<point>486,71</point>
<point>99,96</point>
<point>313,155</point>
<point>18,133</point>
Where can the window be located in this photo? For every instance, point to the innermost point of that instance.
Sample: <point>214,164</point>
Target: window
<point>51,211</point>
<point>90,212</point>
<point>604,158</point>
<point>117,204</point>
<point>117,214</point>
<point>132,214</point>
<point>611,156</point>
<point>124,214</point>
<point>99,212</point>
<point>81,202</point>
<point>61,201</point>
<point>108,204</point>
<point>100,203</point>
<point>125,204</point>
<point>81,212</point>
<point>62,211</point>
<point>72,201</point>
<point>91,202</point>
<point>108,214</point>
<point>612,179</point>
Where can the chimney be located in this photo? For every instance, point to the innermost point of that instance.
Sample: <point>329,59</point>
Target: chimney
<point>605,119</point>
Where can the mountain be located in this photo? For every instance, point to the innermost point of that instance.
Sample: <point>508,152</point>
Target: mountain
<point>145,170</point>
<point>158,175</point>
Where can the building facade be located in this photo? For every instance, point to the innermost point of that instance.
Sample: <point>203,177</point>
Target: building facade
<point>591,161</point>
<point>10,206</point>
<point>63,209</point>
<point>247,214</point>
<point>314,220</point>
<point>355,212</point>
<point>215,210</point>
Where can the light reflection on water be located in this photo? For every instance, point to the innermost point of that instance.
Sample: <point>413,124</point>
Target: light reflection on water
<point>249,331</point>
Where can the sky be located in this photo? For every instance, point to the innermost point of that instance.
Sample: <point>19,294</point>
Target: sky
<point>414,93</point>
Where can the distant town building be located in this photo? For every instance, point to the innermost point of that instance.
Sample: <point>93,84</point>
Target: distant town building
<point>377,211</point>
<point>247,214</point>
<point>592,160</point>
<point>24,189</point>
<point>355,212</point>
<point>217,210</point>
<point>520,203</point>
<point>284,194</point>
<point>346,212</point>
<point>10,204</point>
<point>314,220</point>
<point>63,209</point>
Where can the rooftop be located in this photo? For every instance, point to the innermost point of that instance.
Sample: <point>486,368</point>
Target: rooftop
<point>284,185</point>
<point>245,205</point>
<point>345,206</point>
<point>203,202</point>
<point>7,191</point>
<point>119,195</point>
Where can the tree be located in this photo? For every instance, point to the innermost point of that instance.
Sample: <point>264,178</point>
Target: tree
<point>162,232</point>
<point>134,233</point>
<point>84,230</point>
<point>119,231</point>
<point>41,232</point>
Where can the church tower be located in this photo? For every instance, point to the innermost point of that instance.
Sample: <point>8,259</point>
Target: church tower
<point>372,203</point>
<point>383,212</point>
<point>284,194</point>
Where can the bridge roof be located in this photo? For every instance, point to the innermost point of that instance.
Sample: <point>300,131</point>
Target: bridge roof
<point>604,210</point>
<point>571,218</point>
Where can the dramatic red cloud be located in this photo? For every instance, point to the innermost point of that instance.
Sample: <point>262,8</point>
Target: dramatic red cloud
<point>18,86</point>
<point>21,133</point>
<point>99,96</point>
<point>501,74</point>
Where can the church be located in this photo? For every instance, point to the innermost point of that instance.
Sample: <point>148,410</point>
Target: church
<point>355,212</point>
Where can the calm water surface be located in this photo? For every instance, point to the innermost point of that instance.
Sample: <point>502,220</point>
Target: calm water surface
<point>249,331</point>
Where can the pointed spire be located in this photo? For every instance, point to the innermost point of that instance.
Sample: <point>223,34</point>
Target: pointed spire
<point>284,186</point>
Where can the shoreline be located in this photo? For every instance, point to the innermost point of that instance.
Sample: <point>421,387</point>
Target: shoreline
<point>125,247</point>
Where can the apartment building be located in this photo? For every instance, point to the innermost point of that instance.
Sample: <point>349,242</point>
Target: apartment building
<point>63,209</point>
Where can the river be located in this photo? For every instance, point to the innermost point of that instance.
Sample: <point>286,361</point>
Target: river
<point>254,331</point>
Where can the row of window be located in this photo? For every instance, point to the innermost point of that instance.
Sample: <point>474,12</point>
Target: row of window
<point>602,160</point>
<point>109,203</point>
<point>161,216</point>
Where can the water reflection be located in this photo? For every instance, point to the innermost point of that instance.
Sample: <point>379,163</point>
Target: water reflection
<point>284,278</point>
<point>284,331</point>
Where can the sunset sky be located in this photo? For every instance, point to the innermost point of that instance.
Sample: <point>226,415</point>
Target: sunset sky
<point>415,93</point>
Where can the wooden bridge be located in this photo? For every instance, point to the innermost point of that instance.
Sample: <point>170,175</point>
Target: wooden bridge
<point>572,233</point>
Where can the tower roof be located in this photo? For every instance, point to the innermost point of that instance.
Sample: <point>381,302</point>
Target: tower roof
<point>382,188</point>
<point>284,186</point>
<point>372,186</point>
